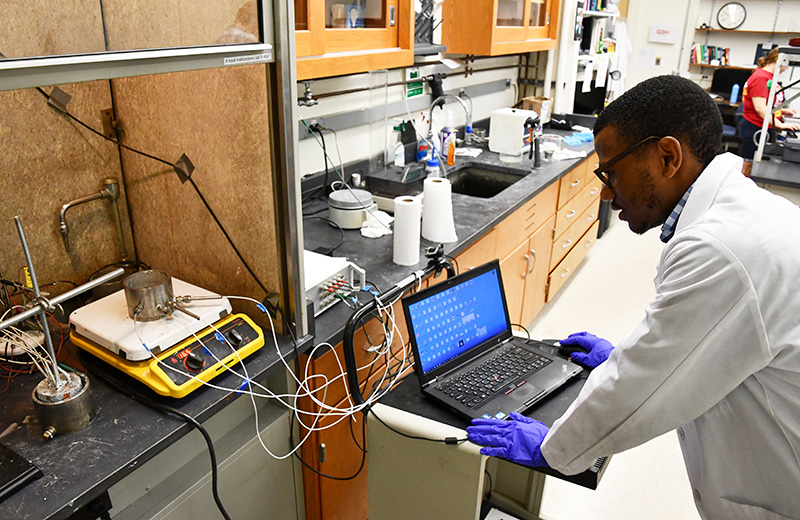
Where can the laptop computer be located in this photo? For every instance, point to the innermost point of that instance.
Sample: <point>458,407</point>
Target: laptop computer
<point>466,356</point>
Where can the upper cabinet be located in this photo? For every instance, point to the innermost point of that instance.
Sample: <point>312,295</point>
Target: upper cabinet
<point>496,27</point>
<point>335,38</point>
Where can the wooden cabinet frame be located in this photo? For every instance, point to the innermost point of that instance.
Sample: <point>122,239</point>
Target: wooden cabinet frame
<point>323,52</point>
<point>470,27</point>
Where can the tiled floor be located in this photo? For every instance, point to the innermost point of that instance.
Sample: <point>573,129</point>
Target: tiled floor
<point>607,297</point>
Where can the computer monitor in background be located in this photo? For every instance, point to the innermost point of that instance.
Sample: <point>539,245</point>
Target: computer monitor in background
<point>725,78</point>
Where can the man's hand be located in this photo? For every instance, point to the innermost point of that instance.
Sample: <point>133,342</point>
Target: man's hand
<point>518,440</point>
<point>597,349</point>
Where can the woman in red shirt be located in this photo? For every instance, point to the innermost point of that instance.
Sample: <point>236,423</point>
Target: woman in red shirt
<point>754,99</point>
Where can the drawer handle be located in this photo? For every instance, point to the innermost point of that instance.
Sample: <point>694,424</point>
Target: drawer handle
<point>528,266</point>
<point>571,213</point>
<point>594,191</point>
<point>533,266</point>
<point>590,243</point>
<point>567,243</point>
<point>565,273</point>
<point>591,217</point>
<point>575,183</point>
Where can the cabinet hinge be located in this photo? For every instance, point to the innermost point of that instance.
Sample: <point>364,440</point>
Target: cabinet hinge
<point>322,453</point>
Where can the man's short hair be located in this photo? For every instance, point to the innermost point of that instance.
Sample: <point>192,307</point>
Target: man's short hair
<point>667,105</point>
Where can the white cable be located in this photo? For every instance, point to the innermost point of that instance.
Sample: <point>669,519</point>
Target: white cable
<point>305,387</point>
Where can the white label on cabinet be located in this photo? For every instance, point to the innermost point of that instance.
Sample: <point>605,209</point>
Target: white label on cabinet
<point>253,58</point>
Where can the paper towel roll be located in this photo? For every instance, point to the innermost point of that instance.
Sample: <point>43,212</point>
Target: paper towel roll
<point>407,212</point>
<point>437,211</point>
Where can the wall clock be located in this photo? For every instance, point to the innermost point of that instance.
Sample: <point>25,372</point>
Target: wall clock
<point>731,15</point>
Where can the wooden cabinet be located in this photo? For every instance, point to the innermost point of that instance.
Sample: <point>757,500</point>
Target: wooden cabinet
<point>332,448</point>
<point>497,27</point>
<point>575,230</point>
<point>525,273</point>
<point>334,38</point>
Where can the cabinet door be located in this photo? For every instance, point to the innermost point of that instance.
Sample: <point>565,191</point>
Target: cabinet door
<point>478,253</point>
<point>514,270</point>
<point>539,248</point>
<point>337,454</point>
<point>335,37</point>
<point>539,17</point>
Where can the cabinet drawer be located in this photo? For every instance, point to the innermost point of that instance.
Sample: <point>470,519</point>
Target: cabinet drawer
<point>526,220</point>
<point>571,183</point>
<point>567,267</point>
<point>579,224</point>
<point>574,207</point>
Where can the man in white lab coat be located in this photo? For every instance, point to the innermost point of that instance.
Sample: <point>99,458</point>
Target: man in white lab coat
<point>717,356</point>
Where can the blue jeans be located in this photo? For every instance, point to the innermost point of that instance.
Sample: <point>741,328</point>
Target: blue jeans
<point>746,131</point>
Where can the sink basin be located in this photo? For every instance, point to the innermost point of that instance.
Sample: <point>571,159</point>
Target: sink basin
<point>477,181</point>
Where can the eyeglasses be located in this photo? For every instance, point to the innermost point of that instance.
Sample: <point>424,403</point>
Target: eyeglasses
<point>601,169</point>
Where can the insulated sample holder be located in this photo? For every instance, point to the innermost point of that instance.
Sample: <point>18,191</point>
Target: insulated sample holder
<point>330,279</point>
<point>183,368</point>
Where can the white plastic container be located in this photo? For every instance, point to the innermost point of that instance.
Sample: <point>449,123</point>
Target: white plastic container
<point>350,208</point>
<point>447,130</point>
<point>507,132</point>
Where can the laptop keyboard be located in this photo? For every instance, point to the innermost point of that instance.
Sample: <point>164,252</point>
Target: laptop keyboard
<point>495,375</point>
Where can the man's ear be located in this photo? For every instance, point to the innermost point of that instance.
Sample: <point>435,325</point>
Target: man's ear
<point>671,156</point>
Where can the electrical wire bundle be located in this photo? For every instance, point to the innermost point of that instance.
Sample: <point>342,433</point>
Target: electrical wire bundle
<point>22,349</point>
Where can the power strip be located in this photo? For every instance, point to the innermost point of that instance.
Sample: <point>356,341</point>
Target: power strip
<point>329,279</point>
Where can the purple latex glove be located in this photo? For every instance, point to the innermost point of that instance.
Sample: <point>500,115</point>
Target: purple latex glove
<point>598,349</point>
<point>518,440</point>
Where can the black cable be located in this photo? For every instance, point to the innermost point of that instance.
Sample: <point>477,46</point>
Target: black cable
<point>491,484</point>
<point>199,427</point>
<point>188,419</point>
<point>337,226</point>
<point>458,269</point>
<point>321,474</point>
<point>448,440</point>
<point>523,328</point>
<point>191,181</point>
<point>324,158</point>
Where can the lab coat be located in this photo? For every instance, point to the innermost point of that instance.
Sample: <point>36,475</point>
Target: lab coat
<point>717,356</point>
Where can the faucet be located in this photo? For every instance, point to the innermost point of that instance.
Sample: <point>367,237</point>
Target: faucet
<point>110,191</point>
<point>467,111</point>
<point>534,129</point>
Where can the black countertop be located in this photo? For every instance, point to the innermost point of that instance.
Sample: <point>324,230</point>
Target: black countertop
<point>79,466</point>
<point>125,434</point>
<point>774,170</point>
<point>474,217</point>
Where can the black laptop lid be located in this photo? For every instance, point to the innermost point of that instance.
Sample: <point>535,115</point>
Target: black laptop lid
<point>456,320</point>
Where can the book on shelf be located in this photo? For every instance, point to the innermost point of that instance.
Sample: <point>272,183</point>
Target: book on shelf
<point>710,55</point>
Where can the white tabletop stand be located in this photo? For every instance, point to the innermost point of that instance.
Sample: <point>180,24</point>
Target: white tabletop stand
<point>410,478</point>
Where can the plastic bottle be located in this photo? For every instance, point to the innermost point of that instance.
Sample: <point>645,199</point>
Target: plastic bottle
<point>450,149</point>
<point>734,94</point>
<point>399,155</point>
<point>448,129</point>
<point>432,167</point>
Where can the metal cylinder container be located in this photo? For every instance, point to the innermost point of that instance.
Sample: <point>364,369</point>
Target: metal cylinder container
<point>147,294</point>
<point>67,409</point>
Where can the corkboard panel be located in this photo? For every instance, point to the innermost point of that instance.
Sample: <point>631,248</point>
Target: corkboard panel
<point>45,28</point>
<point>219,119</point>
<point>146,24</point>
<point>48,160</point>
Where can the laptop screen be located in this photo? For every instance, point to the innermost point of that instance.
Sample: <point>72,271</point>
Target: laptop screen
<point>456,316</point>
